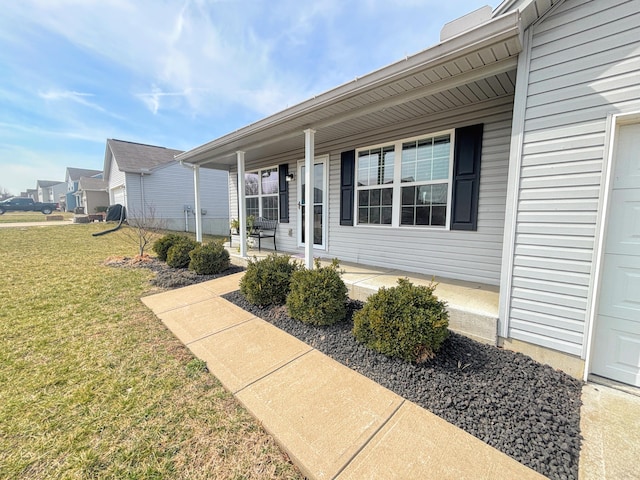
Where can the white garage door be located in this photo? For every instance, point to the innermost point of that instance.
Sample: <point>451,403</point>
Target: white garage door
<point>616,353</point>
<point>118,196</point>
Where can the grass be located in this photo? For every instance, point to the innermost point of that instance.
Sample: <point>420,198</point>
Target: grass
<point>22,217</point>
<point>93,386</point>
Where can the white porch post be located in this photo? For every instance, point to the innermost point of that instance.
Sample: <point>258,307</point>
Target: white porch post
<point>198,212</point>
<point>242,205</point>
<point>309,156</point>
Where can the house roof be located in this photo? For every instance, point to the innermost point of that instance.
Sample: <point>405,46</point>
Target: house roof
<point>476,65</point>
<point>530,10</point>
<point>47,183</point>
<point>139,158</point>
<point>74,174</point>
<point>92,184</point>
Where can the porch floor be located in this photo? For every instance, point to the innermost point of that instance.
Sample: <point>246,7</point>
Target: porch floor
<point>473,307</point>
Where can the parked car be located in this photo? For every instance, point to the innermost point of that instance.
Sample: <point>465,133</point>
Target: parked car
<point>25,204</point>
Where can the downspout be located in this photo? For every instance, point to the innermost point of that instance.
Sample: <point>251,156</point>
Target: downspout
<point>196,186</point>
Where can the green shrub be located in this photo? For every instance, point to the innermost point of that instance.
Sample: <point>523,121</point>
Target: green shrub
<point>266,281</point>
<point>318,296</point>
<point>163,244</point>
<point>209,259</point>
<point>178,254</point>
<point>406,321</point>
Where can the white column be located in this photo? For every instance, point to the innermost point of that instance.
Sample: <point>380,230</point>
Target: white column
<point>309,156</point>
<point>242,205</point>
<point>198,211</point>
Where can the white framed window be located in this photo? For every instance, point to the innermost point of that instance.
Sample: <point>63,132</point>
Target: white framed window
<point>406,183</point>
<point>261,193</point>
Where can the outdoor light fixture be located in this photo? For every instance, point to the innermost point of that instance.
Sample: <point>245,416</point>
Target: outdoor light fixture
<point>289,177</point>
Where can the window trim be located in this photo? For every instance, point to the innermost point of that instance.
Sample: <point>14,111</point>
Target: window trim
<point>261,195</point>
<point>397,184</point>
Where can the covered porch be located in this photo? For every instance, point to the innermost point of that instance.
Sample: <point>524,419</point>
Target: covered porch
<point>472,306</point>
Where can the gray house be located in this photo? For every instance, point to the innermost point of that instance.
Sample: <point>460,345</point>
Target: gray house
<point>72,178</point>
<point>91,194</point>
<point>49,191</point>
<point>505,155</point>
<point>147,180</point>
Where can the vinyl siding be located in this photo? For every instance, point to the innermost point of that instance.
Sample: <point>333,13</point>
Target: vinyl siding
<point>116,178</point>
<point>585,65</point>
<point>169,188</point>
<point>465,255</point>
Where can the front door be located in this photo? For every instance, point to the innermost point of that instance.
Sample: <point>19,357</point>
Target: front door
<point>616,348</point>
<point>319,203</point>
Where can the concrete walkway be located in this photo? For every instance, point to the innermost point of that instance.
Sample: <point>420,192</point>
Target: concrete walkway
<point>333,422</point>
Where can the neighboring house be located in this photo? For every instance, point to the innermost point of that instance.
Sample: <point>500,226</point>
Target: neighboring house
<point>91,194</point>
<point>49,191</point>
<point>148,180</point>
<point>505,155</point>
<point>72,178</point>
<point>31,193</point>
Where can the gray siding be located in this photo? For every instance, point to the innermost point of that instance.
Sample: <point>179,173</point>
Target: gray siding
<point>473,256</point>
<point>168,189</point>
<point>585,65</point>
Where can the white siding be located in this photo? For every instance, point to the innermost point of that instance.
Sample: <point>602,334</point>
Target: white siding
<point>585,65</point>
<point>116,179</point>
<point>473,256</point>
<point>168,189</point>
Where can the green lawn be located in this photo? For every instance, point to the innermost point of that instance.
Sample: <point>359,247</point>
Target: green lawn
<point>21,217</point>
<point>93,386</point>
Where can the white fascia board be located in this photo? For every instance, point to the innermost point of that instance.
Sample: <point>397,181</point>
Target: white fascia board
<point>500,28</point>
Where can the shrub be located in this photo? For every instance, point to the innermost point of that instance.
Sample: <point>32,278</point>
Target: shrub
<point>163,244</point>
<point>406,321</point>
<point>266,281</point>
<point>178,254</point>
<point>209,259</point>
<point>318,296</point>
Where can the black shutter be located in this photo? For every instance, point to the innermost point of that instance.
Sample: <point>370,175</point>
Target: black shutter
<point>283,192</point>
<point>347,182</point>
<point>466,177</point>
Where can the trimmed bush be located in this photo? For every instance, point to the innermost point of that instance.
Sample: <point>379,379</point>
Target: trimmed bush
<point>209,259</point>
<point>407,321</point>
<point>178,254</point>
<point>266,281</point>
<point>163,244</point>
<point>318,296</point>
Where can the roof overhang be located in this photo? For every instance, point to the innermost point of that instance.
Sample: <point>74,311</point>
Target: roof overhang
<point>473,66</point>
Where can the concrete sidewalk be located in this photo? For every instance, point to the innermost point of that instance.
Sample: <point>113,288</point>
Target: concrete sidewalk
<point>333,422</point>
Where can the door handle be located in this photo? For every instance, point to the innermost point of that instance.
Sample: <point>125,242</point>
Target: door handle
<point>299,205</point>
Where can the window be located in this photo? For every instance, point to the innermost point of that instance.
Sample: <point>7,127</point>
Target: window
<point>261,191</point>
<point>375,168</point>
<point>406,183</point>
<point>425,167</point>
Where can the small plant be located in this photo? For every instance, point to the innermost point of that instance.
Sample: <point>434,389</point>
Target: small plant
<point>209,259</point>
<point>406,321</point>
<point>318,296</point>
<point>178,254</point>
<point>235,226</point>
<point>163,244</point>
<point>267,281</point>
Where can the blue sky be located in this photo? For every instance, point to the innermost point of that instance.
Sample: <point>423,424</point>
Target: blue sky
<point>179,73</point>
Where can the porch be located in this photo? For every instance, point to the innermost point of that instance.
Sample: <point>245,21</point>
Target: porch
<point>472,306</point>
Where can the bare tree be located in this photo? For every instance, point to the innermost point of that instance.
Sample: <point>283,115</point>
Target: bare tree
<point>144,227</point>
<point>4,193</point>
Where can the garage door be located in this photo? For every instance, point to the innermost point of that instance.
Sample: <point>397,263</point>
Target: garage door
<point>118,196</point>
<point>616,352</point>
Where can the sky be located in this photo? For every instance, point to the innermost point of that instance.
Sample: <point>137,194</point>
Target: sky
<point>180,73</point>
